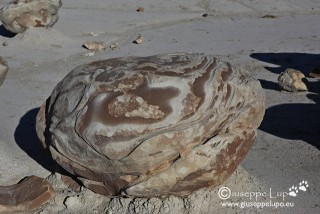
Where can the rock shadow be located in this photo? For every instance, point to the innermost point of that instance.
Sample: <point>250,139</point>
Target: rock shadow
<point>266,84</point>
<point>26,138</point>
<point>5,33</point>
<point>293,121</point>
<point>303,62</point>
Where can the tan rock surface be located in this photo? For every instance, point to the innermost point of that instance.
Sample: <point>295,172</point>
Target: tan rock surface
<point>292,80</point>
<point>3,70</point>
<point>25,196</point>
<point>19,15</point>
<point>152,126</point>
<point>93,45</point>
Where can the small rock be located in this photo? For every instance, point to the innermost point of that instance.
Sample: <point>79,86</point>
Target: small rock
<point>90,54</point>
<point>96,46</point>
<point>3,70</point>
<point>292,80</point>
<point>19,15</point>
<point>114,46</point>
<point>93,34</point>
<point>268,16</point>
<point>5,44</point>
<point>140,9</point>
<point>138,40</point>
<point>315,73</point>
<point>25,196</point>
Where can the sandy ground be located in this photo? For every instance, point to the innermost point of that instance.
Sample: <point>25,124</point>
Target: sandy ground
<point>262,36</point>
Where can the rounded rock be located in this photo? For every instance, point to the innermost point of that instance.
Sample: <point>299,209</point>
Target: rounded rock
<point>292,80</point>
<point>162,125</point>
<point>19,15</point>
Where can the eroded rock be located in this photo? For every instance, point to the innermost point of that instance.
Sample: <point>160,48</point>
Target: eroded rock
<point>25,196</point>
<point>315,73</point>
<point>19,15</point>
<point>152,126</point>
<point>93,45</point>
<point>292,80</point>
<point>3,70</point>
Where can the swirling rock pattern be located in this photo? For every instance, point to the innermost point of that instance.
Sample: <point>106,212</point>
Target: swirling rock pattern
<point>152,126</point>
<point>19,15</point>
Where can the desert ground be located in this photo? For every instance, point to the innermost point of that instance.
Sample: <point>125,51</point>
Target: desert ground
<point>264,37</point>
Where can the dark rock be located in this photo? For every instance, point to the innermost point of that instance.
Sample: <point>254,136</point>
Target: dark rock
<point>315,73</point>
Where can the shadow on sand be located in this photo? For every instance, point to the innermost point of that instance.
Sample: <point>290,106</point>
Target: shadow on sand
<point>293,121</point>
<point>5,33</point>
<point>26,138</point>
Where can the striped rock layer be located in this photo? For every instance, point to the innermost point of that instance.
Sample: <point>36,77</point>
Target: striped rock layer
<point>152,126</point>
<point>19,15</point>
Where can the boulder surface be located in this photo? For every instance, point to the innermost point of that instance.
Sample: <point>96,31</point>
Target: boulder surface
<point>162,125</point>
<point>19,15</point>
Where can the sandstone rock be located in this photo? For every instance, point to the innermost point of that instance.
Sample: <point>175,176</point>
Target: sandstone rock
<point>315,73</point>
<point>19,15</point>
<point>96,46</point>
<point>152,126</point>
<point>3,70</point>
<point>292,80</point>
<point>25,196</point>
<point>138,40</point>
<point>140,9</point>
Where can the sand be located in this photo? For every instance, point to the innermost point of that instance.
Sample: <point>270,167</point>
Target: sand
<point>264,37</point>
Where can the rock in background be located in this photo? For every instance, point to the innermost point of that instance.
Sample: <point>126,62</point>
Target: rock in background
<point>292,80</point>
<point>19,15</point>
<point>152,126</point>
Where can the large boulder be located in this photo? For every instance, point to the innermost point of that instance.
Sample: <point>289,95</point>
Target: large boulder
<point>152,126</point>
<point>19,15</point>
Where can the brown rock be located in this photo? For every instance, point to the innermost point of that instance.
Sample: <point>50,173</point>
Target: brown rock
<point>315,73</point>
<point>292,80</point>
<point>71,183</point>
<point>152,126</point>
<point>3,70</point>
<point>138,40</point>
<point>25,196</point>
<point>19,15</point>
<point>140,9</point>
